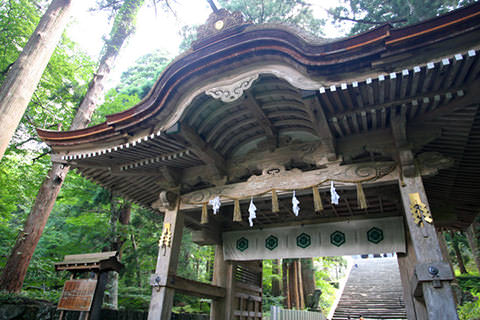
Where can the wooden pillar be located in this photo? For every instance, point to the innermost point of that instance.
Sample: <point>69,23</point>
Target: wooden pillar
<point>415,308</point>
<point>439,300</point>
<point>98,297</point>
<point>217,310</point>
<point>229,290</point>
<point>162,297</point>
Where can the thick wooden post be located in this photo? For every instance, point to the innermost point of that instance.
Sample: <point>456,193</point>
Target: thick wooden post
<point>229,290</point>
<point>406,263</point>
<point>217,311</point>
<point>438,296</point>
<point>162,297</point>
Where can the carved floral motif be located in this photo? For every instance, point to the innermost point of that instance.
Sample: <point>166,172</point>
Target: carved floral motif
<point>232,92</point>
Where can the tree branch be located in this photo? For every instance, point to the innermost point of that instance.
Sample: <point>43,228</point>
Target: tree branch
<point>4,71</point>
<point>212,5</point>
<point>364,21</point>
<point>40,156</point>
<point>17,145</point>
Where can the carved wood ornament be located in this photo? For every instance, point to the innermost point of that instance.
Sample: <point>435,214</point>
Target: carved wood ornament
<point>233,91</point>
<point>217,22</point>
<point>280,179</point>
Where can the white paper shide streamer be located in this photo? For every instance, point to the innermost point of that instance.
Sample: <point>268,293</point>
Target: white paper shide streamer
<point>295,203</point>
<point>252,212</point>
<point>215,203</point>
<point>334,193</point>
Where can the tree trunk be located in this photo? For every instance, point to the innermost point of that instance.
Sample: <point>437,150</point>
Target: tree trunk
<point>23,77</point>
<point>110,299</point>
<point>137,262</point>
<point>16,267</point>
<point>17,263</point>
<point>276,292</point>
<point>473,236</point>
<point>285,290</point>
<point>461,265</point>
<point>295,285</point>
<point>308,281</point>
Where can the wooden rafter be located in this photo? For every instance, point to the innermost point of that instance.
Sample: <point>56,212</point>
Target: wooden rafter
<point>202,149</point>
<point>252,104</point>
<point>321,127</point>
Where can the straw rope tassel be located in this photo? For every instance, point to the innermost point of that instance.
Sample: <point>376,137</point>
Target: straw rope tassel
<point>204,219</point>
<point>317,201</point>
<point>361,200</point>
<point>237,215</point>
<point>275,207</point>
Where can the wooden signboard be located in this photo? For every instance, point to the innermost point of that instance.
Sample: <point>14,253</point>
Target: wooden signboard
<point>77,295</point>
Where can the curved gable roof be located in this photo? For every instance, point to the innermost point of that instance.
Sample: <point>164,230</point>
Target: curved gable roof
<point>380,50</point>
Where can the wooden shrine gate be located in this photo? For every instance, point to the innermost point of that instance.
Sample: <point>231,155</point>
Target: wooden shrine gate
<point>268,115</point>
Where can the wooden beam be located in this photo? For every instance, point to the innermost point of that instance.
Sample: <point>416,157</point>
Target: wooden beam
<point>296,179</point>
<point>321,127</point>
<point>138,172</point>
<point>397,102</point>
<point>463,98</point>
<point>202,149</point>
<point>272,135</point>
<point>171,175</point>
<point>195,288</point>
<point>206,237</point>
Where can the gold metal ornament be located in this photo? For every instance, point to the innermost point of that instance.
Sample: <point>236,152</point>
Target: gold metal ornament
<point>419,210</point>
<point>219,25</point>
<point>166,237</point>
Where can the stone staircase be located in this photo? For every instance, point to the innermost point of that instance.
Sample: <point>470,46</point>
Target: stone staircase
<point>373,290</point>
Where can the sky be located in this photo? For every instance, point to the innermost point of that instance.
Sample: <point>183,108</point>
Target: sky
<point>156,29</point>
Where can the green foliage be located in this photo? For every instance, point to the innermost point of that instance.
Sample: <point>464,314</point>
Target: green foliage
<point>134,85</point>
<point>470,310</point>
<point>18,19</point>
<point>139,78</point>
<point>134,298</point>
<point>114,102</point>
<point>397,12</point>
<point>459,239</point>
<point>328,272</point>
<point>293,12</point>
<point>63,82</point>
<point>469,283</point>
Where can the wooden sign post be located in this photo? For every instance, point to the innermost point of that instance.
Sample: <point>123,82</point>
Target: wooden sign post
<point>77,295</point>
<point>86,295</point>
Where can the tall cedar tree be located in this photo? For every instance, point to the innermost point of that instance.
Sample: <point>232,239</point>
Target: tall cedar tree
<point>24,75</point>
<point>17,264</point>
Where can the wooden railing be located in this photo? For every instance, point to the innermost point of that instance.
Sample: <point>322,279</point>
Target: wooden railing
<point>277,313</point>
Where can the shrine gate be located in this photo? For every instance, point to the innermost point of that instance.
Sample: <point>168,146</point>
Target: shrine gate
<point>269,117</point>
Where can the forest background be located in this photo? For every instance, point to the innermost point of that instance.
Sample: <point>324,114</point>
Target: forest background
<point>86,217</point>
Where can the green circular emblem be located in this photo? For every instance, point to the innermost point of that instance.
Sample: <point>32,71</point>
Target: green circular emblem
<point>304,240</point>
<point>242,244</point>
<point>375,235</point>
<point>337,238</point>
<point>271,242</point>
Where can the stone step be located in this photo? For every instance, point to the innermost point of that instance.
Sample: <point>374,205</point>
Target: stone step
<point>373,290</point>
